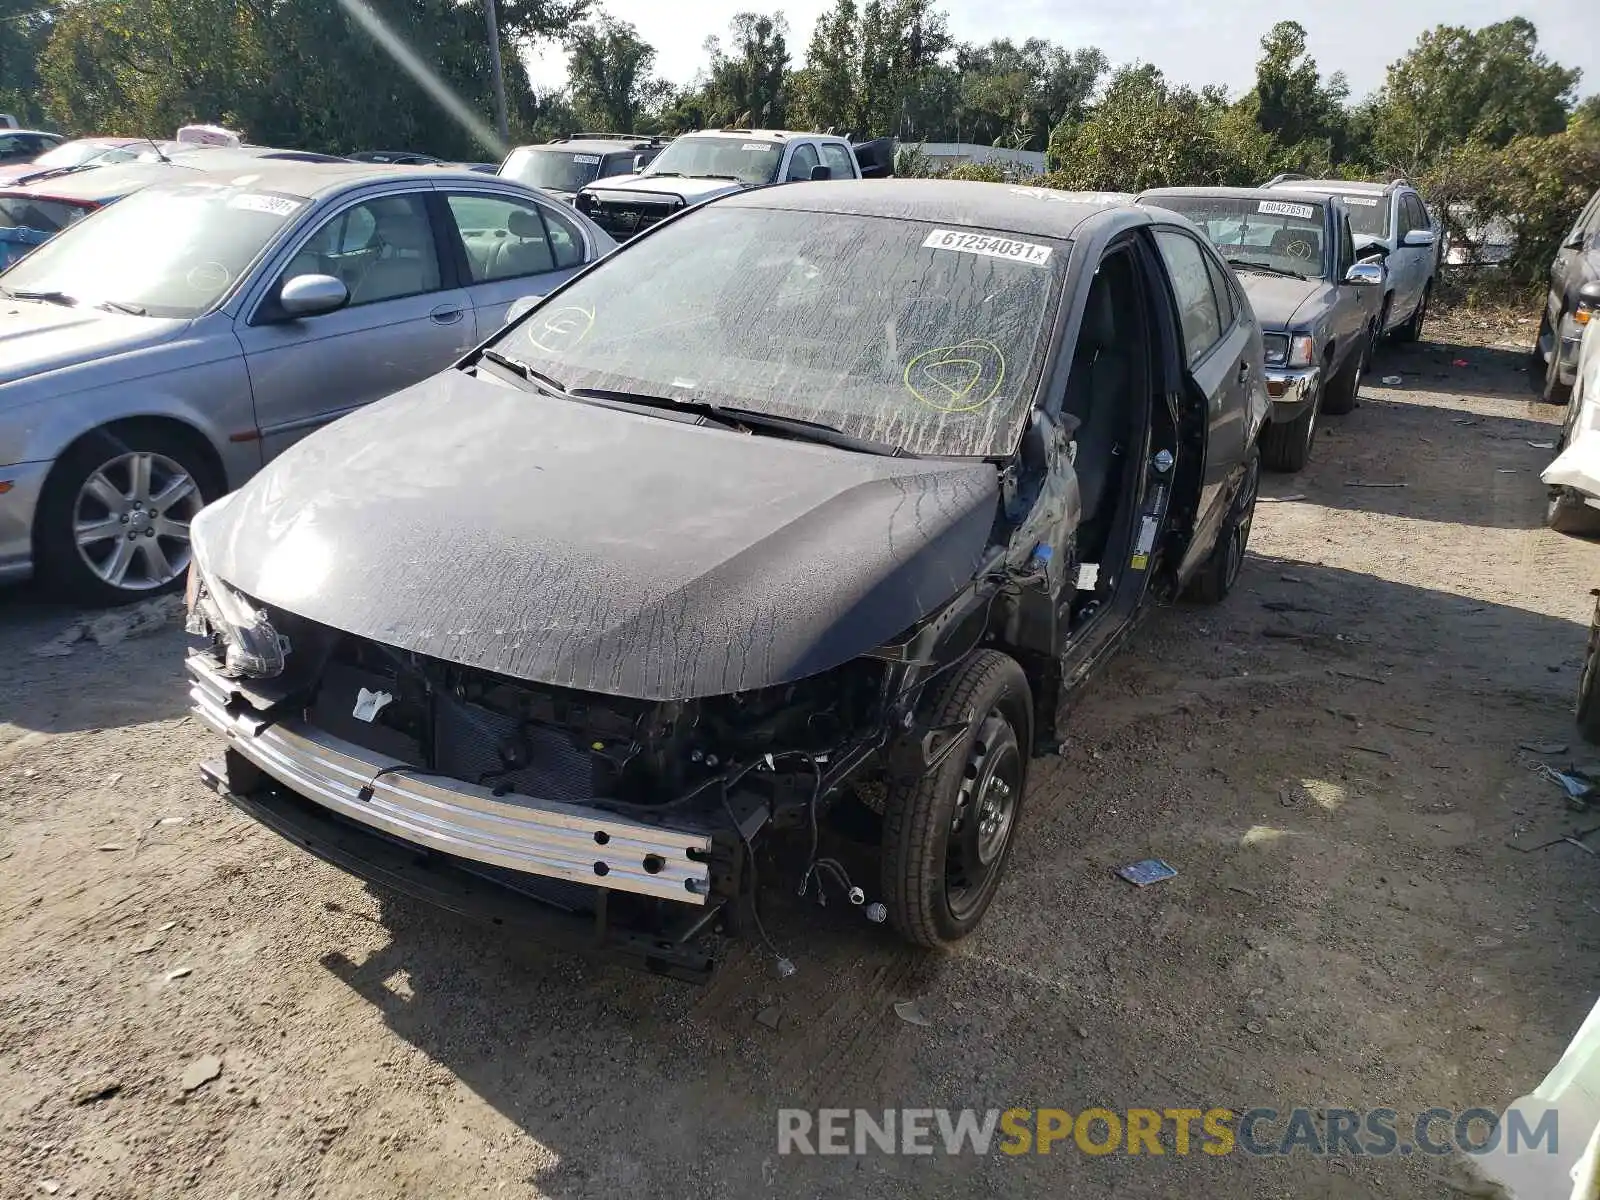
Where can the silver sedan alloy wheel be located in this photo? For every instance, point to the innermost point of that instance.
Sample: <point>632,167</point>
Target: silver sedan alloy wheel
<point>131,520</point>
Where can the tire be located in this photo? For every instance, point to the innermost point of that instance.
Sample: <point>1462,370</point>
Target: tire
<point>941,864</point>
<point>99,487</point>
<point>1340,396</point>
<point>1412,329</point>
<point>1567,514</point>
<point>1216,578</point>
<point>1589,684</point>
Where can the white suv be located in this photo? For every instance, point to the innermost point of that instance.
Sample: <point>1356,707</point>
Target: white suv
<point>1388,219</point>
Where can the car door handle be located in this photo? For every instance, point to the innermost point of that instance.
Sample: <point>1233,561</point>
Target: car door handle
<point>445,315</point>
<point>1244,370</point>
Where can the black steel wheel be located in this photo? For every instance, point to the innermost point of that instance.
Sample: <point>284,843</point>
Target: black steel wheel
<point>947,836</point>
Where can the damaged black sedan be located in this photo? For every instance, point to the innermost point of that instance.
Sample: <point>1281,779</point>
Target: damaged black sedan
<point>813,501</point>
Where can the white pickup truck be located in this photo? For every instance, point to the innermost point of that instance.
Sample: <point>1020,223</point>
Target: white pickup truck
<point>713,162</point>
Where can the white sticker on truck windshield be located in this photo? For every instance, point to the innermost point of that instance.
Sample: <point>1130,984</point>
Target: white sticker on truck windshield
<point>1282,208</point>
<point>1363,201</point>
<point>990,244</point>
<point>755,146</point>
<point>591,159</point>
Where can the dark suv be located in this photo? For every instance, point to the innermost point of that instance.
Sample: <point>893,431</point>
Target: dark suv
<point>1560,332</point>
<point>564,166</point>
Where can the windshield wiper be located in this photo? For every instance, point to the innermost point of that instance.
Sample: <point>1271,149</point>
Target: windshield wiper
<point>733,178</point>
<point>662,174</point>
<point>747,418</point>
<point>1251,265</point>
<point>133,310</point>
<point>530,373</point>
<point>43,297</point>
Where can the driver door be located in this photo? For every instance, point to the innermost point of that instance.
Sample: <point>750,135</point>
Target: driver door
<point>402,324</point>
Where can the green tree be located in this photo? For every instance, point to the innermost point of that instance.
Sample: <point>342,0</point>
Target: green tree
<point>745,83</point>
<point>1016,95</point>
<point>609,69</point>
<point>1456,85</point>
<point>24,29</point>
<point>1290,102</point>
<point>1146,133</point>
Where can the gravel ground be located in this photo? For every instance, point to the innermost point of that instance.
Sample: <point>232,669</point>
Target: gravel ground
<point>1330,759</point>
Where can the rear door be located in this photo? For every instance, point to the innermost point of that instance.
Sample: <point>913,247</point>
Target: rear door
<point>509,247</point>
<point>404,321</point>
<point>1218,353</point>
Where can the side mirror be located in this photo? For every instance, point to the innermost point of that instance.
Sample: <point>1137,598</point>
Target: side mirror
<point>312,295</point>
<point>1589,294</point>
<point>821,172</point>
<point>1365,274</point>
<point>519,308</point>
<point>638,163</point>
<point>1419,238</point>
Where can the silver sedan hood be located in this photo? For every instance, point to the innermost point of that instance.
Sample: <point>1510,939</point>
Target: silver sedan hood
<point>586,547</point>
<point>36,338</point>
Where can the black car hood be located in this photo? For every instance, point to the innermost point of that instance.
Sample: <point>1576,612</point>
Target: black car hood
<point>608,551</point>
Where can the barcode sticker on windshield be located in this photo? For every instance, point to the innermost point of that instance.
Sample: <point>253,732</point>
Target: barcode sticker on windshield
<point>278,206</point>
<point>586,158</point>
<point>1282,208</point>
<point>989,244</point>
<point>1363,201</point>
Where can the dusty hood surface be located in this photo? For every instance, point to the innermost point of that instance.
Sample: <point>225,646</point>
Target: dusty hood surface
<point>574,545</point>
<point>36,337</point>
<point>691,190</point>
<point>1278,300</point>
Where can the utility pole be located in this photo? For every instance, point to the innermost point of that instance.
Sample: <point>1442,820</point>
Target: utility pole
<point>493,23</point>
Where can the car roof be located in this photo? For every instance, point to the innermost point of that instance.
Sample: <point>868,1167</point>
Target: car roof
<point>1236,193</point>
<point>314,180</point>
<point>99,184</point>
<point>617,145</point>
<point>968,203</point>
<point>767,135</point>
<point>1356,187</point>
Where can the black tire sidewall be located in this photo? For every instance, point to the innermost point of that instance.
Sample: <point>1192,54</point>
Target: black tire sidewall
<point>60,567</point>
<point>918,813</point>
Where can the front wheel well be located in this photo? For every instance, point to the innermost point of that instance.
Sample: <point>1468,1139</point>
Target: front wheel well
<point>128,431</point>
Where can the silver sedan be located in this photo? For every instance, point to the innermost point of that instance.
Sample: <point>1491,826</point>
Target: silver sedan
<point>162,350</point>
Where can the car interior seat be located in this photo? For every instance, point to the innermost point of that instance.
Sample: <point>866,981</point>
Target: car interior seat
<point>525,251</point>
<point>406,264</point>
<point>1098,396</point>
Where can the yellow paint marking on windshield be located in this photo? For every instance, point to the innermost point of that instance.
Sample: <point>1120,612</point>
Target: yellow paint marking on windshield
<point>562,328</point>
<point>947,378</point>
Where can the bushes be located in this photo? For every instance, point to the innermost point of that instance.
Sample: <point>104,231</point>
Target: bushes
<point>1534,187</point>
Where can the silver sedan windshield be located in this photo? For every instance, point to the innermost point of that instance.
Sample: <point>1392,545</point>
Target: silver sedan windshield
<point>163,252</point>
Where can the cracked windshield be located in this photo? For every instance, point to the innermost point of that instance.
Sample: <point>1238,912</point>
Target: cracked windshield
<point>926,339</point>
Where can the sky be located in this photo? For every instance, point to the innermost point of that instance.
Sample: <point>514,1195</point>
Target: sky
<point>1212,41</point>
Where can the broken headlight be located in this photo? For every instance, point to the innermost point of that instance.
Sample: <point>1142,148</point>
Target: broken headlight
<point>251,646</point>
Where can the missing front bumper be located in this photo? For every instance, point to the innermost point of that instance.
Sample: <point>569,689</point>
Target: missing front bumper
<point>460,886</point>
<point>553,840</point>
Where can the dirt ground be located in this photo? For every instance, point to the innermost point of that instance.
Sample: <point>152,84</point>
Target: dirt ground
<point>1330,760</point>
